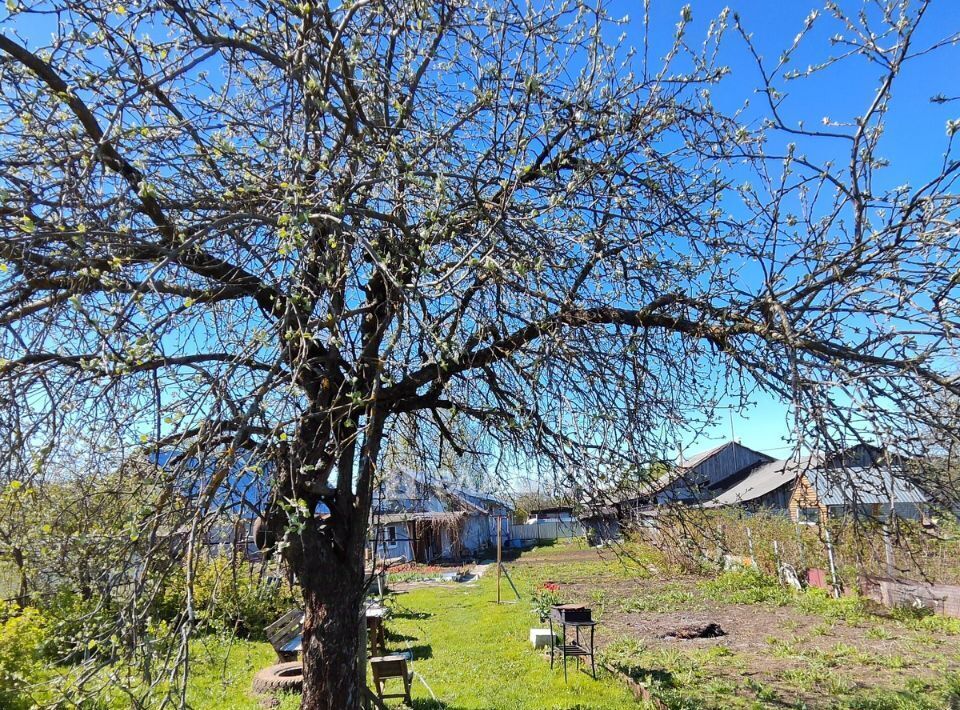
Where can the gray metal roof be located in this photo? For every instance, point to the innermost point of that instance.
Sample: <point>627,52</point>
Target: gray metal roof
<point>764,479</point>
<point>699,458</point>
<point>862,485</point>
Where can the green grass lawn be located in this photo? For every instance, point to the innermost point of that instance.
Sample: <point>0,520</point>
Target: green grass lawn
<point>471,652</point>
<point>221,674</point>
<point>474,653</point>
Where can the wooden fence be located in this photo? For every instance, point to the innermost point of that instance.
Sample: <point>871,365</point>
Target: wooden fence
<point>942,599</point>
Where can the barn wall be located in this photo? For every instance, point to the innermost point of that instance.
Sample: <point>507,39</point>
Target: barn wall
<point>777,501</point>
<point>475,535</point>
<point>719,467</point>
<point>403,547</point>
<point>804,495</point>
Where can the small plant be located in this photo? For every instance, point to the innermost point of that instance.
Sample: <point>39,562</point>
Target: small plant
<point>745,587</point>
<point>546,596</point>
<point>671,598</point>
<point>599,597</point>
<point>878,633</point>
<point>22,633</point>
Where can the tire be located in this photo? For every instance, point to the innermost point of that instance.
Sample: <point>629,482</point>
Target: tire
<point>263,537</point>
<point>280,678</point>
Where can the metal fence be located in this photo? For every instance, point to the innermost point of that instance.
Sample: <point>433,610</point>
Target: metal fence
<point>545,531</point>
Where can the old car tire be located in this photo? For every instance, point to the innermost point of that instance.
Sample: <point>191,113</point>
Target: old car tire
<point>263,537</point>
<point>280,678</point>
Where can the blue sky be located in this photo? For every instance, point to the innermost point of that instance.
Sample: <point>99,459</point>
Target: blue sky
<point>915,127</point>
<point>915,135</point>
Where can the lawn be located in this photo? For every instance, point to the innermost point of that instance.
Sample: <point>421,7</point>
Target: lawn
<point>781,649</point>
<point>474,653</point>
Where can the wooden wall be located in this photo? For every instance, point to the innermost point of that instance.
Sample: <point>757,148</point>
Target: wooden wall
<point>805,496</point>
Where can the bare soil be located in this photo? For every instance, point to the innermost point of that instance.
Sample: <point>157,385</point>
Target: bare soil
<point>800,657</point>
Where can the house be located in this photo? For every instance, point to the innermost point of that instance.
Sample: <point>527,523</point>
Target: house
<point>859,480</point>
<point>561,513</point>
<point>702,476</point>
<point>421,520</point>
<point>229,512</point>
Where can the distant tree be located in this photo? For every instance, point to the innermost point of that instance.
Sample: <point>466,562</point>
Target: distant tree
<point>281,233</point>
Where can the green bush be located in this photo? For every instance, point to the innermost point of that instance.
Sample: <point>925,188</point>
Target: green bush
<point>22,635</point>
<point>78,627</point>
<point>228,595</point>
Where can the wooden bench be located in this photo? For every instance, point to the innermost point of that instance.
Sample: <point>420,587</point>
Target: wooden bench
<point>387,667</point>
<point>284,635</point>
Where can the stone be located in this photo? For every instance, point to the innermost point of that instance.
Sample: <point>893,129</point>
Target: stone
<point>540,638</point>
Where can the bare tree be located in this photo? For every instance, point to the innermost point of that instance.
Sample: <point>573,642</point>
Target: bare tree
<point>292,232</point>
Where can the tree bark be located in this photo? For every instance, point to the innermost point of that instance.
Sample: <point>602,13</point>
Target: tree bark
<point>328,557</point>
<point>332,600</point>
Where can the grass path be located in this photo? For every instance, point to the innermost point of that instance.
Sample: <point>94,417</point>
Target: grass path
<point>475,654</point>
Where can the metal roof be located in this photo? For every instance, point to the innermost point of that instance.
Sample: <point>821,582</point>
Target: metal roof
<point>834,486</point>
<point>684,466</point>
<point>764,479</point>
<point>863,485</point>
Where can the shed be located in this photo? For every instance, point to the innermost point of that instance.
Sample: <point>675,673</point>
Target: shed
<point>698,478</point>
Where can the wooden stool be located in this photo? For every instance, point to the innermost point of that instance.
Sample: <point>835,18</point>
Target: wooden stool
<point>385,667</point>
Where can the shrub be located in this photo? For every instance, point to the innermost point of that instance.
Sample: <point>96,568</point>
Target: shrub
<point>22,635</point>
<point>229,595</point>
<point>77,627</point>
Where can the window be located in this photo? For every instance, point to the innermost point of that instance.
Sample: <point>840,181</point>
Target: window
<point>391,536</point>
<point>809,516</point>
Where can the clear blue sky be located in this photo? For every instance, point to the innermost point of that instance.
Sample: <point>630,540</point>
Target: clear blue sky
<point>913,143</point>
<point>915,135</point>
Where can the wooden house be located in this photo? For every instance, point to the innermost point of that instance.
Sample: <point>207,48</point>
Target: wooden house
<point>421,520</point>
<point>702,476</point>
<point>860,481</point>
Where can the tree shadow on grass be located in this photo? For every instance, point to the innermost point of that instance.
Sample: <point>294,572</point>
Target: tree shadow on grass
<point>394,636</point>
<point>421,652</point>
<point>410,614</point>
<point>431,704</point>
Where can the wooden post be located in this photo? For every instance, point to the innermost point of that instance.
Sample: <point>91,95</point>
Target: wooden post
<point>750,545</point>
<point>833,565</point>
<point>499,558</point>
<point>888,528</point>
<point>801,558</point>
<point>776,558</point>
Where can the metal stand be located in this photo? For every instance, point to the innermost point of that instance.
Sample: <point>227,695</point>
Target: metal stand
<point>576,647</point>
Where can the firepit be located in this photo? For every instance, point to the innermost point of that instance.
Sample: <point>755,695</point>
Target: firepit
<point>575,617</point>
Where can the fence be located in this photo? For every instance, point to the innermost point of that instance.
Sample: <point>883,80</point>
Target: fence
<point>545,531</point>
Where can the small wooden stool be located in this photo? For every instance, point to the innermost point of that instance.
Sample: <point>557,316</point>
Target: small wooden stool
<point>385,667</point>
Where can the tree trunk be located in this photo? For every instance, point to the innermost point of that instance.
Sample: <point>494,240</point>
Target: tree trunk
<point>332,598</point>
<point>328,558</point>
